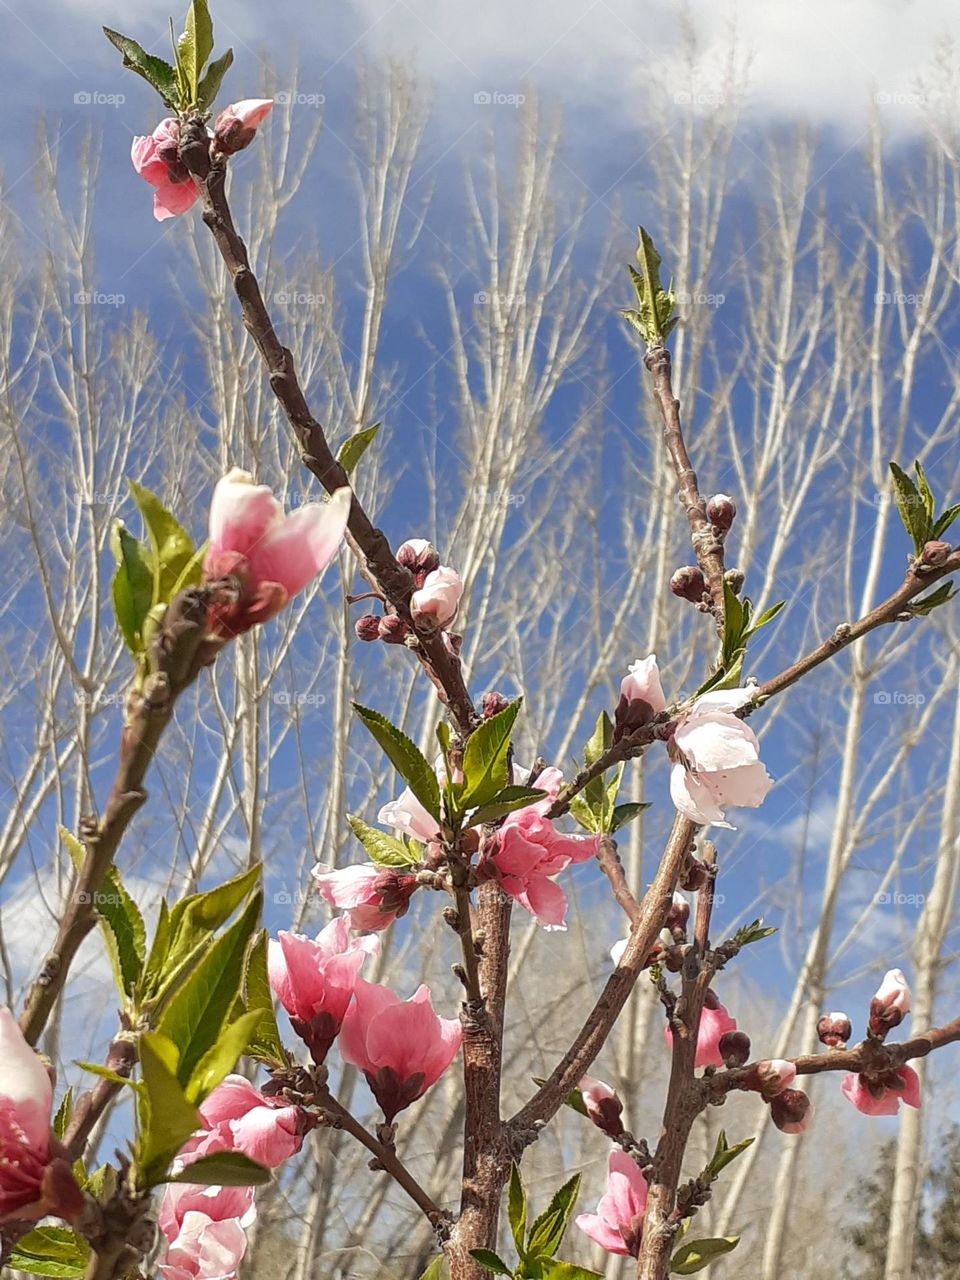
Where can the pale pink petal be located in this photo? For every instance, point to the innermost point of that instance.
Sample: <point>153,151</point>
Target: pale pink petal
<point>241,513</point>
<point>295,552</point>
<point>545,901</point>
<point>693,799</point>
<point>25,1083</point>
<point>601,1233</point>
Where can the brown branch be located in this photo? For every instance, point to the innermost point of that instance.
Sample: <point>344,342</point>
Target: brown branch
<point>176,656</point>
<point>209,171</point>
<point>121,1059</point>
<point>609,862</point>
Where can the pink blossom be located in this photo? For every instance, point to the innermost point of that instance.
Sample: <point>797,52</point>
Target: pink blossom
<point>314,981</point>
<point>890,1004</point>
<point>716,760</point>
<point>157,160</point>
<point>882,1095</point>
<point>438,600</point>
<point>419,556</point>
<point>204,1229</point>
<point>603,1106</point>
<point>272,555</point>
<point>530,852</point>
<point>401,1046</point>
<point>408,815</point>
<point>714,1023</point>
<point>617,1225</point>
<point>235,126</point>
<point>791,1111</point>
<point>237,1117</point>
<point>641,697</point>
<point>372,896</point>
<point>35,1172</point>
<point>775,1075</point>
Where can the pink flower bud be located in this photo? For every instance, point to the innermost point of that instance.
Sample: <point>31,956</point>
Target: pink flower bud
<point>372,896</point>
<point>367,627</point>
<point>881,1095</point>
<point>935,553</point>
<point>617,1224</point>
<point>603,1106</point>
<point>773,1076</point>
<point>157,160</point>
<point>493,704</point>
<point>641,697</point>
<point>401,1046</point>
<point>437,601</point>
<point>791,1111</point>
<point>392,629</point>
<point>419,556</point>
<point>235,126</point>
<point>314,980</point>
<point>688,584</point>
<point>237,1117</point>
<point>204,1229</point>
<point>834,1029</point>
<point>715,1022</point>
<point>271,555</point>
<point>890,1004</point>
<point>677,916</point>
<point>721,512</point>
<point>734,1048</point>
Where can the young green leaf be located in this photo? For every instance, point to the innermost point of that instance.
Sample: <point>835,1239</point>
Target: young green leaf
<point>753,932</point>
<point>724,1154</point>
<point>196,44</point>
<point>221,1058</point>
<point>926,495</point>
<point>256,996</point>
<point>554,1269</point>
<point>517,1208</point>
<point>944,521</point>
<point>355,446</point>
<point>910,504</point>
<point>166,1117</point>
<point>697,1254</point>
<point>195,917</point>
<point>64,1112</point>
<point>626,812</point>
<point>436,1269</point>
<point>223,1169</point>
<point>546,1233</point>
<point>132,586</point>
<point>405,758</point>
<point>926,604</point>
<point>383,849</point>
<point>120,920</point>
<point>155,71</point>
<point>97,1069</point>
<point>172,549</point>
<point>485,771</point>
<point>504,802</point>
<point>490,1262</point>
<point>51,1251</point>
<point>600,740</point>
<point>210,84</point>
<point>584,815</point>
<point>654,318</point>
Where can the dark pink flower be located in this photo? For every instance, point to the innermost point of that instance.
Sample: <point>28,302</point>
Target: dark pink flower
<point>401,1046</point>
<point>158,162</point>
<point>372,896</point>
<point>530,853</point>
<point>617,1225</point>
<point>715,1022</point>
<point>239,1118</point>
<point>882,1096</point>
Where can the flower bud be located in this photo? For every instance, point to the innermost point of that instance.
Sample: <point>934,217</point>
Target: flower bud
<point>235,126</point>
<point>688,584</point>
<point>641,697</point>
<point>392,629</point>
<point>694,876</point>
<point>721,511</point>
<point>734,578</point>
<point>791,1111</point>
<point>734,1048</point>
<point>367,627</point>
<point>419,556</point>
<point>773,1076</point>
<point>935,553</point>
<point>677,916</point>
<point>603,1106</point>
<point>890,1004</point>
<point>493,704</point>
<point>834,1029</point>
<point>434,604</point>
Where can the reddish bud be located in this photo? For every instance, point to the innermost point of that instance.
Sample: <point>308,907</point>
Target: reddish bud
<point>236,126</point>
<point>772,1077</point>
<point>890,1004</point>
<point>493,704</point>
<point>678,915</point>
<point>834,1029</point>
<point>734,1048</point>
<point>791,1111</point>
<point>419,556</point>
<point>367,627</point>
<point>721,512</point>
<point>688,584</point>
<point>392,629</point>
<point>603,1106</point>
<point>935,553</point>
<point>694,876</point>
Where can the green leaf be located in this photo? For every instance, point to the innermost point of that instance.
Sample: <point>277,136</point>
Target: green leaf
<point>172,549</point>
<point>768,615</point>
<point>517,1208</point>
<point>385,850</point>
<point>654,318</point>
<point>753,932</point>
<point>573,1100</point>
<point>926,495</point>
<point>195,1016</point>
<point>166,1117</point>
<point>223,1169</point>
<point>554,1269</point>
<point>64,1112</point>
<point>724,1154</point>
<point>581,811</point>
<point>257,996</point>
<point>51,1251</point>
<point>119,918</point>
<point>155,71</point>
<point>910,504</point>
<point>405,758</point>
<point>624,813</point>
<point>209,86</point>
<point>490,1262</point>
<point>600,740</point>
<point>546,1233</point>
<point>485,772</point>
<point>196,44</point>
<point>355,446</point>
<point>221,1058</point>
<point>733,624</point>
<point>926,604</point>
<point>436,1269</point>
<point>195,917</point>
<point>944,521</point>
<point>697,1254</point>
<point>132,586</point>
<point>97,1069</point>
<point>504,802</point>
